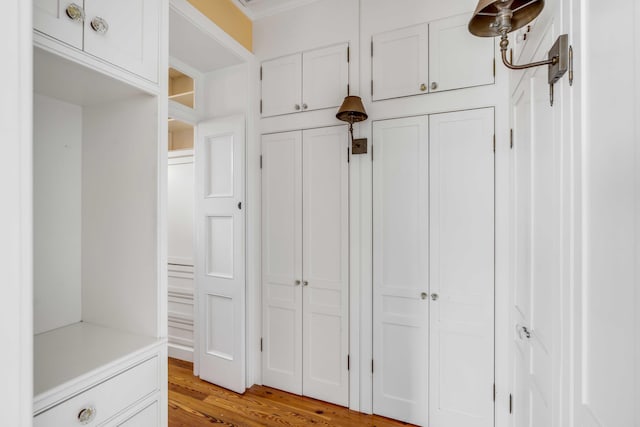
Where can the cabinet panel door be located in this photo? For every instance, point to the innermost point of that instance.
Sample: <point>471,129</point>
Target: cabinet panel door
<point>325,77</point>
<point>325,265</point>
<point>400,62</point>
<point>282,261</point>
<point>400,269</point>
<point>461,268</point>
<point>282,85</point>
<point>458,59</point>
<point>50,18</point>
<point>132,38</point>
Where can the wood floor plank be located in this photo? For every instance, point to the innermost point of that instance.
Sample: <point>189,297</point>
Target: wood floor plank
<point>195,403</point>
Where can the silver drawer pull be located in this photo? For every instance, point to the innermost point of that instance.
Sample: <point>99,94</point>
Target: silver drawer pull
<point>99,25</point>
<point>86,415</point>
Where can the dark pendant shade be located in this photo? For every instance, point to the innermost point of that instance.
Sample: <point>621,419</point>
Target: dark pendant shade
<point>484,20</point>
<point>352,110</point>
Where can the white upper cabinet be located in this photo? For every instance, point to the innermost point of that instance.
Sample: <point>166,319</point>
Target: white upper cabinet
<point>400,62</point>
<point>60,19</point>
<point>281,85</point>
<point>430,57</point>
<point>458,59</point>
<point>124,33</point>
<point>305,81</point>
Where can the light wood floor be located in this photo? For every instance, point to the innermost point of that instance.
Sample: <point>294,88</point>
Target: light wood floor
<point>194,403</point>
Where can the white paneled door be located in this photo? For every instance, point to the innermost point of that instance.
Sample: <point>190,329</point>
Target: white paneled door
<point>433,269</point>
<point>220,263</point>
<point>461,269</point>
<point>50,17</point>
<point>401,269</point>
<point>305,262</point>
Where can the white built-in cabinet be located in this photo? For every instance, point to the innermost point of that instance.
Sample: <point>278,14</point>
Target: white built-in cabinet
<point>121,32</point>
<point>306,81</point>
<point>305,262</point>
<point>433,269</point>
<point>430,57</point>
<point>99,295</point>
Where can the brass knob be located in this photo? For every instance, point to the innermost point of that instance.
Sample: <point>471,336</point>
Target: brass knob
<point>423,87</point>
<point>99,25</point>
<point>75,12</point>
<point>434,86</point>
<point>424,295</point>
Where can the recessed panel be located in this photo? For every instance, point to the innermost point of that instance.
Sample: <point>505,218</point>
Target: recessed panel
<point>220,318</point>
<point>326,352</point>
<point>401,306</point>
<point>327,298</point>
<point>219,166</point>
<point>280,292</point>
<point>281,338</point>
<point>219,246</point>
<point>401,384</point>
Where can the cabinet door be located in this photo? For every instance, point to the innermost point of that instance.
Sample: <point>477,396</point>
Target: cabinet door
<point>461,268</point>
<point>50,17</point>
<point>130,39</point>
<point>325,77</point>
<point>457,59</point>
<point>281,85</point>
<point>325,264</point>
<point>147,417</point>
<point>401,269</point>
<point>282,261</point>
<point>400,62</point>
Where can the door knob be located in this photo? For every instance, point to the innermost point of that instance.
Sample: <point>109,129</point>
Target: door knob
<point>297,282</point>
<point>424,295</point>
<point>423,87</point>
<point>75,12</point>
<point>434,86</point>
<point>304,106</point>
<point>435,297</point>
<point>99,25</point>
<point>305,283</point>
<point>297,107</point>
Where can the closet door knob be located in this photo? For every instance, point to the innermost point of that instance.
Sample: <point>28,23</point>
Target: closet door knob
<point>86,415</point>
<point>297,282</point>
<point>305,283</point>
<point>75,12</point>
<point>304,106</point>
<point>424,295</point>
<point>434,297</point>
<point>297,107</point>
<point>434,86</point>
<point>423,87</point>
<point>99,25</point>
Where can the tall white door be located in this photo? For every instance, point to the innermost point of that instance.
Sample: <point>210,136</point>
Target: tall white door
<point>461,269</point>
<point>305,262</point>
<point>220,263</point>
<point>537,265</point>
<point>401,269</point>
<point>282,261</point>
<point>325,264</point>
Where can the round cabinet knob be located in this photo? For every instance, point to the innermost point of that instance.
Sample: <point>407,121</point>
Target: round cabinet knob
<point>304,106</point>
<point>435,297</point>
<point>86,415</point>
<point>424,295</point>
<point>297,107</point>
<point>434,85</point>
<point>75,12</point>
<point>305,283</point>
<point>297,282</point>
<point>99,25</point>
<point>423,87</point>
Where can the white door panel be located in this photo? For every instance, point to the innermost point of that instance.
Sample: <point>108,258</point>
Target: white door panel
<point>220,272</point>
<point>457,59</point>
<point>400,62</point>
<point>282,261</point>
<point>131,41</point>
<point>325,264</point>
<point>461,217</point>
<point>400,269</point>
<point>282,85</point>
<point>325,77</point>
<point>50,17</point>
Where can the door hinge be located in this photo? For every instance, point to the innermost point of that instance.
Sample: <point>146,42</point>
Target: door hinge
<point>372,48</point>
<point>371,87</point>
<point>348,157</point>
<point>261,345</point>
<point>260,161</point>
<point>372,152</point>
<point>348,89</point>
<point>494,67</point>
<point>348,362</point>
<point>348,54</point>
<point>510,403</point>
<point>261,73</point>
<point>494,142</point>
<point>494,392</point>
<point>511,138</point>
<point>261,106</point>
<point>372,366</point>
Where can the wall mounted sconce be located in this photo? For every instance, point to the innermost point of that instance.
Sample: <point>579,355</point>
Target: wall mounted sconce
<point>352,111</point>
<point>500,17</point>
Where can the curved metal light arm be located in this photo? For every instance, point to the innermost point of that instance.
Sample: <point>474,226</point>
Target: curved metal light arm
<point>504,42</point>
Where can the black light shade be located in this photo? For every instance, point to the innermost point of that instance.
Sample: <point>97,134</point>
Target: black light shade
<point>352,110</point>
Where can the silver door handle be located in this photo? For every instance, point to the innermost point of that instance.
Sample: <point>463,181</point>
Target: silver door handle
<point>99,25</point>
<point>434,297</point>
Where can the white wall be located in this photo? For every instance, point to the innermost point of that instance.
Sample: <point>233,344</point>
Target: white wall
<point>225,91</point>
<point>57,149</point>
<point>327,22</point>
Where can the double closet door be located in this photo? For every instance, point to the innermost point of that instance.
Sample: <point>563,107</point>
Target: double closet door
<point>305,262</point>
<point>433,269</point>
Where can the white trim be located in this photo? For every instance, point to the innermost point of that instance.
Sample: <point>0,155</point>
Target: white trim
<point>177,351</point>
<point>258,12</point>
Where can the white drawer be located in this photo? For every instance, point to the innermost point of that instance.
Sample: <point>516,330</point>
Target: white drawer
<point>107,398</point>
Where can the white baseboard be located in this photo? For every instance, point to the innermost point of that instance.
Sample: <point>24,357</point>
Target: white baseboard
<point>181,352</point>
